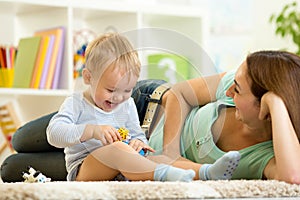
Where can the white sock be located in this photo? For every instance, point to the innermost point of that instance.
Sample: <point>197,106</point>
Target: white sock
<point>222,169</point>
<point>169,173</point>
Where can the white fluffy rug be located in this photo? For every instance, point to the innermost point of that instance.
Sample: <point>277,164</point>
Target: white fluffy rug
<point>149,190</point>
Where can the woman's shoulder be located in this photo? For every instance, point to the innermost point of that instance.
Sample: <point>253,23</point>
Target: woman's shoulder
<point>228,78</point>
<point>225,83</point>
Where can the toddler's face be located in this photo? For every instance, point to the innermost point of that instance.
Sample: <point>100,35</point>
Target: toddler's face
<point>113,88</point>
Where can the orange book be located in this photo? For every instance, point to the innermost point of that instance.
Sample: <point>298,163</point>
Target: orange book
<point>58,33</point>
<point>39,64</point>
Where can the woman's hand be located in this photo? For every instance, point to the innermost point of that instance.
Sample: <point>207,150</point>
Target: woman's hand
<point>106,134</point>
<point>138,145</point>
<point>286,164</point>
<point>269,100</point>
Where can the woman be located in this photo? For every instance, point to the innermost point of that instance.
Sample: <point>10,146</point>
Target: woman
<point>255,111</point>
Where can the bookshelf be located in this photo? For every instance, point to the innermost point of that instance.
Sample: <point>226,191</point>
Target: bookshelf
<point>21,18</point>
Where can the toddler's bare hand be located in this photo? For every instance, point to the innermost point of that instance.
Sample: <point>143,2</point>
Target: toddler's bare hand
<point>106,134</point>
<point>138,145</point>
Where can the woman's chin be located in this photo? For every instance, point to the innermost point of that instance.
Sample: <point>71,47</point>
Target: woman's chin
<point>237,116</point>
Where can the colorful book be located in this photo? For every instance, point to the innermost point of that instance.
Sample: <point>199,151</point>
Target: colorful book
<point>58,32</point>
<point>46,66</point>
<point>59,62</point>
<point>39,64</point>
<point>25,61</point>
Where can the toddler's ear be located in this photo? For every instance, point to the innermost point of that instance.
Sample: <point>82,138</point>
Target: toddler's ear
<point>86,74</point>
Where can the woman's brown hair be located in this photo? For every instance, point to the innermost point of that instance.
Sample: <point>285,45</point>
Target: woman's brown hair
<point>279,72</point>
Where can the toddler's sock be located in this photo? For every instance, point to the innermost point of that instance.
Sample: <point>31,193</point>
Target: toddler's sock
<point>169,173</point>
<point>222,169</point>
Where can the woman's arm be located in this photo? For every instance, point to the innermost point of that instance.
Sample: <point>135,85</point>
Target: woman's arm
<point>179,101</point>
<point>286,165</point>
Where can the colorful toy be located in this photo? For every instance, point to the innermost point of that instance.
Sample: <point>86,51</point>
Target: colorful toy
<point>79,61</point>
<point>34,176</point>
<point>126,137</point>
<point>81,39</point>
<point>124,133</point>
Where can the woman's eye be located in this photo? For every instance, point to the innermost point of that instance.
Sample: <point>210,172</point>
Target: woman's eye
<point>236,90</point>
<point>127,91</point>
<point>109,90</point>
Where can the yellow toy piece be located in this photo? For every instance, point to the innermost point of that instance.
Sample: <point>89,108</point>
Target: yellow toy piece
<point>123,132</point>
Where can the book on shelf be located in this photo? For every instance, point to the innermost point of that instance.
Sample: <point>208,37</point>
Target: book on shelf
<point>55,63</point>
<point>25,61</point>
<point>59,61</point>
<point>44,72</point>
<point>40,61</point>
<point>36,62</point>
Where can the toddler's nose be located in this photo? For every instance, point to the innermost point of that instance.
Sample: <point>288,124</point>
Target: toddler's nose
<point>117,98</point>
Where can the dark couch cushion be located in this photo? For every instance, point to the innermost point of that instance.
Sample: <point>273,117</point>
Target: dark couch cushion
<point>32,136</point>
<point>51,164</point>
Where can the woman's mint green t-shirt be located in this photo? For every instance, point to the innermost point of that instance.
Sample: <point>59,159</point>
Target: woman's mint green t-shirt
<point>197,140</point>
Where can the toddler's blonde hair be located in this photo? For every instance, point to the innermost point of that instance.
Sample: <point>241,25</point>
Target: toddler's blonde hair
<point>112,49</point>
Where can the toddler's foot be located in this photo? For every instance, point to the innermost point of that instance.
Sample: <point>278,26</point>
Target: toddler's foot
<point>168,173</point>
<point>222,169</point>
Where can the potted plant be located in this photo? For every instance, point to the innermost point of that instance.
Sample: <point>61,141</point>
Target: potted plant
<point>288,23</point>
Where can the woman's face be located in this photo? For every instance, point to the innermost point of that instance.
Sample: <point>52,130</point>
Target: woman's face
<point>247,106</point>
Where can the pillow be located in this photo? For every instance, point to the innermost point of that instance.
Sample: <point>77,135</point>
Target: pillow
<point>32,136</point>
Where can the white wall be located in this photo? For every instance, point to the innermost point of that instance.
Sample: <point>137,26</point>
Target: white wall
<point>264,34</point>
<point>238,27</point>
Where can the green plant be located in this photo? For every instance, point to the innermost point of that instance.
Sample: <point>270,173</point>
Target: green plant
<point>288,23</point>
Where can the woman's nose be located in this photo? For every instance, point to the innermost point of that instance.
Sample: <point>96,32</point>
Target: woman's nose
<point>230,92</point>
